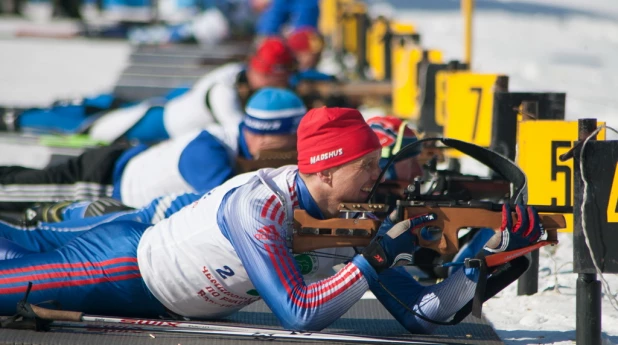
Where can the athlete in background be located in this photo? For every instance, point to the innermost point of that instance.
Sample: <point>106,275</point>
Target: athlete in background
<point>52,225</point>
<point>194,162</point>
<point>218,97</point>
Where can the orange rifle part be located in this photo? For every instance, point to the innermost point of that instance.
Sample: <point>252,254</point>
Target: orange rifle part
<point>311,234</point>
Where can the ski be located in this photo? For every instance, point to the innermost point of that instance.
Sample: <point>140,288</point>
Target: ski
<point>49,318</point>
<point>232,331</point>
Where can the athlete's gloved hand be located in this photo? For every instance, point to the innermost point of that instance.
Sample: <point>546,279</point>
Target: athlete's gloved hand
<point>527,230</point>
<point>395,242</point>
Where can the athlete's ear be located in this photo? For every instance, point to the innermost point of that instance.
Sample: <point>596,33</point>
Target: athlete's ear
<point>326,176</point>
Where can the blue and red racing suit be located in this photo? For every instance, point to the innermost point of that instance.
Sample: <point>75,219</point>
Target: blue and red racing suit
<point>218,255</point>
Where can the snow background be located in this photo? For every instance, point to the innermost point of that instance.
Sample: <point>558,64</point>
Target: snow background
<point>542,45</point>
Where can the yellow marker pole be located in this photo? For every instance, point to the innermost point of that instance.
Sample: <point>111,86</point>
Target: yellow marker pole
<point>467,11</point>
<point>328,18</point>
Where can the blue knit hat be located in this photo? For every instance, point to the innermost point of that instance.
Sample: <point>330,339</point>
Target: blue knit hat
<point>274,111</point>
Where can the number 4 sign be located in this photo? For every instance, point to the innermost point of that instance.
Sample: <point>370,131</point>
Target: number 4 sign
<point>612,205</point>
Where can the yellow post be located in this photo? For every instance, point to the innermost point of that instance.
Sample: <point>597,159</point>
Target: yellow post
<point>467,10</point>
<point>375,47</point>
<point>328,18</point>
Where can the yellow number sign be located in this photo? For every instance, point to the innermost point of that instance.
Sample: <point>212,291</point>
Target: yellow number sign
<point>464,105</point>
<point>612,205</point>
<point>539,146</point>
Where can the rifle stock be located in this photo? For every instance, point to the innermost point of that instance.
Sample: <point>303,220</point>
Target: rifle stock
<point>452,219</point>
<point>311,234</point>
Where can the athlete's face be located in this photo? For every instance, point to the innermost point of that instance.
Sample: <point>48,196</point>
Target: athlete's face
<point>259,80</point>
<point>264,142</point>
<point>407,169</point>
<point>307,60</point>
<point>353,181</point>
<point>259,6</point>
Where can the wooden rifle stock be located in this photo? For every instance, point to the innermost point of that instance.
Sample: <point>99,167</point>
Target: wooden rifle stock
<point>452,219</point>
<point>311,234</point>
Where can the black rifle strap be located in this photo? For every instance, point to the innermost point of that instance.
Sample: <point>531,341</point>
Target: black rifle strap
<point>481,285</point>
<point>493,160</point>
<point>498,163</point>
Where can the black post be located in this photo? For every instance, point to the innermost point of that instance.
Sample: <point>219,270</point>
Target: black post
<point>588,289</point>
<point>388,54</point>
<point>528,283</point>
<point>362,23</point>
<point>588,310</point>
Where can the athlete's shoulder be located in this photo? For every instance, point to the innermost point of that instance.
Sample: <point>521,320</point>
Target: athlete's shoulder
<point>226,74</point>
<point>229,70</point>
<point>267,191</point>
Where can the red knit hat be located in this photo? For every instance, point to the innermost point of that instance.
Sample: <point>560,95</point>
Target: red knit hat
<point>273,56</point>
<point>329,137</point>
<point>305,39</point>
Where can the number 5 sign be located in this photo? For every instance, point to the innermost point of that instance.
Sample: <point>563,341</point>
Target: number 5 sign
<point>539,144</point>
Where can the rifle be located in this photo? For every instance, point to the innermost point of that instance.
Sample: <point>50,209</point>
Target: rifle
<point>452,214</point>
<point>311,234</point>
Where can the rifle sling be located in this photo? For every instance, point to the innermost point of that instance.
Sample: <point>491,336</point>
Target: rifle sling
<point>506,274</point>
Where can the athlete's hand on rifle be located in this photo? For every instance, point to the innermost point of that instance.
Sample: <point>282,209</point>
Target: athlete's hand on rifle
<point>527,230</point>
<point>396,242</point>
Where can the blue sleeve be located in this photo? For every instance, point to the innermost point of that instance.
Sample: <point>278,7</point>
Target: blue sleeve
<point>65,117</point>
<point>253,220</point>
<point>472,247</point>
<point>150,128</point>
<point>100,102</point>
<point>304,13</point>
<point>399,292</point>
<point>273,18</point>
<point>205,163</point>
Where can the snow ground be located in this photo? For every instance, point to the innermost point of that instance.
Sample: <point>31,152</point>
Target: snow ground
<point>542,45</point>
<point>548,317</point>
